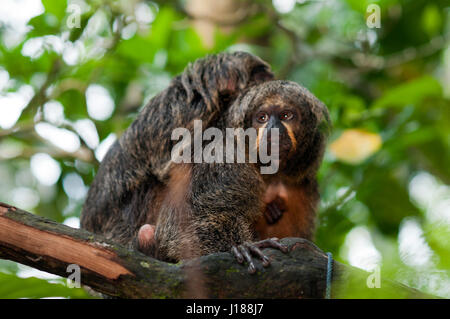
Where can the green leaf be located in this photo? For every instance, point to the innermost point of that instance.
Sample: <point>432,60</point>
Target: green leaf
<point>411,92</point>
<point>8,266</point>
<point>41,26</point>
<point>188,42</point>
<point>162,27</point>
<point>435,156</point>
<point>438,236</point>
<point>75,33</point>
<point>143,48</point>
<point>74,104</point>
<point>55,7</point>
<point>13,287</point>
<point>387,198</point>
<point>431,20</point>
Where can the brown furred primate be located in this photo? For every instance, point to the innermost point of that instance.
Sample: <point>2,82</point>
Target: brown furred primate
<point>132,183</point>
<point>227,206</point>
<point>291,195</point>
<point>177,211</point>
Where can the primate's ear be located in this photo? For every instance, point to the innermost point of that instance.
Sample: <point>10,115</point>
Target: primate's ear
<point>261,73</point>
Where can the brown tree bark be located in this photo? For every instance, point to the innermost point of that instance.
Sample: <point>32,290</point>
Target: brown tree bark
<point>114,270</point>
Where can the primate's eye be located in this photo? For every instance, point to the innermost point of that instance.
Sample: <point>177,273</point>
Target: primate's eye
<point>286,115</point>
<point>262,117</point>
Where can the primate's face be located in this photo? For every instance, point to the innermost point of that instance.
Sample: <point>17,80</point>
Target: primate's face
<point>300,119</point>
<point>282,116</point>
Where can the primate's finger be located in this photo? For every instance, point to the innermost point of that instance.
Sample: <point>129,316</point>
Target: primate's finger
<point>244,251</point>
<point>257,252</point>
<point>237,254</point>
<point>272,243</point>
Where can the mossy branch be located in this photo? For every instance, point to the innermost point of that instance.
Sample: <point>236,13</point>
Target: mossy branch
<point>114,270</point>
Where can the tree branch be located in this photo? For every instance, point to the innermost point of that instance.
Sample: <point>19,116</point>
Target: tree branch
<point>117,271</point>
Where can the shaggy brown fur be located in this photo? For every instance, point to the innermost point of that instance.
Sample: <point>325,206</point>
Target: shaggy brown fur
<point>131,185</point>
<point>204,208</point>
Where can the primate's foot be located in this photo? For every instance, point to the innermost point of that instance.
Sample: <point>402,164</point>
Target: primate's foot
<point>244,252</point>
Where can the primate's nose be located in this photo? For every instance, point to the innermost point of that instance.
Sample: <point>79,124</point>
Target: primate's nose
<point>271,139</point>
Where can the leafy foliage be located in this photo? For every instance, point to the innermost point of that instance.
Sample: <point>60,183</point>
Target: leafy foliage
<point>15,287</point>
<point>387,190</point>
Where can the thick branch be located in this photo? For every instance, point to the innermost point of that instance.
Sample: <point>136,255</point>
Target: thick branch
<point>114,270</point>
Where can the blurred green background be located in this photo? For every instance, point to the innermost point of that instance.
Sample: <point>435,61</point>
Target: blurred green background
<point>74,74</point>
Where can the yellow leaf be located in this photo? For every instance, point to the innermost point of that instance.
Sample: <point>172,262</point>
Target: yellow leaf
<point>355,145</point>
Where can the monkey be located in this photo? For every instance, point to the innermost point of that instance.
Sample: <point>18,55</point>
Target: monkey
<point>213,194</point>
<point>138,196</point>
<point>131,185</point>
<point>291,196</point>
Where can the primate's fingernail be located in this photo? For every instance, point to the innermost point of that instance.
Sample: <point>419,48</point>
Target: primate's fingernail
<point>251,269</point>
